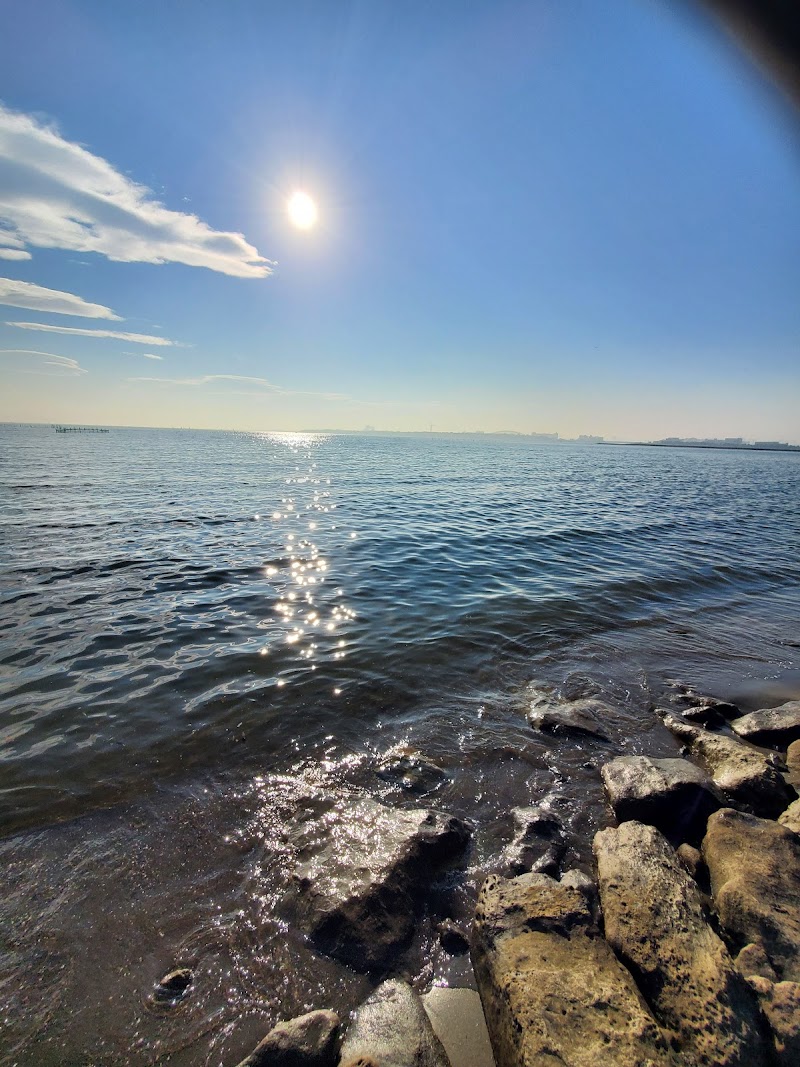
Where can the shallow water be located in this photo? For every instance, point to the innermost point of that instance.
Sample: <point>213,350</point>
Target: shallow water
<point>194,617</point>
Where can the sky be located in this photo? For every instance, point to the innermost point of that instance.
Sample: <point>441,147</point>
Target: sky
<point>548,216</point>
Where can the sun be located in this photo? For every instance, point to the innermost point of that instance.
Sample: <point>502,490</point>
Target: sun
<point>302,211</point>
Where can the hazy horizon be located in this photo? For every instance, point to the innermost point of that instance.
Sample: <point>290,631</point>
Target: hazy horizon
<point>516,218</point>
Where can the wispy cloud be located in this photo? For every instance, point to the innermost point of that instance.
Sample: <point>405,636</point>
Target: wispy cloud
<point>59,365</point>
<point>151,355</point>
<point>36,298</point>
<point>14,253</point>
<point>262,384</point>
<point>117,335</point>
<point>56,194</point>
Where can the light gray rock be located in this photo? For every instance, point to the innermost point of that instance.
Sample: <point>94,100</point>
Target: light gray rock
<point>456,1016</point>
<point>392,1029</point>
<point>746,777</point>
<point>791,817</point>
<point>754,867</point>
<point>553,991</point>
<point>770,726</point>
<point>672,794</point>
<point>310,1040</point>
<point>780,1002</point>
<point>655,923</point>
<point>538,844</point>
<point>360,867</point>
<point>578,718</point>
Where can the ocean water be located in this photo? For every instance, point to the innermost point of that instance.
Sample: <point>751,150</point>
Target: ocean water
<point>193,619</point>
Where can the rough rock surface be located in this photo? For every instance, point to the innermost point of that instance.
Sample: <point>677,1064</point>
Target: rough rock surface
<point>672,794</point>
<point>553,991</point>
<point>754,866</point>
<point>391,1029</point>
<point>780,1002</point>
<point>308,1041</point>
<point>579,718</point>
<point>753,960</point>
<point>456,1016</point>
<point>746,777</point>
<point>771,726</point>
<point>791,817</point>
<point>793,763</point>
<point>359,868</point>
<point>654,920</point>
<point>538,842</point>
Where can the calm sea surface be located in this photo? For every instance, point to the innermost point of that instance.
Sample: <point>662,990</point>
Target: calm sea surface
<point>190,619</point>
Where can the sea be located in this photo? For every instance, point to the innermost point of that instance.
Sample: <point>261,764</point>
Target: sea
<point>194,622</point>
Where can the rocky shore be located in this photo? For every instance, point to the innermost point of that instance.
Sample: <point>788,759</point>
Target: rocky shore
<point>682,946</point>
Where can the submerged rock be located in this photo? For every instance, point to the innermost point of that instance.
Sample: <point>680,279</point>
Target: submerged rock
<point>360,867</point>
<point>771,726</point>
<point>175,985</point>
<point>754,867</point>
<point>746,777</point>
<point>553,991</point>
<point>672,794</point>
<point>456,1016</point>
<point>654,920</point>
<point>579,718</point>
<point>411,772</point>
<point>391,1029</point>
<point>538,843</point>
<point>308,1041</point>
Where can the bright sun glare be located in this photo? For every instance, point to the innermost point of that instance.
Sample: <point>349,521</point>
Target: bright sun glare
<point>302,211</point>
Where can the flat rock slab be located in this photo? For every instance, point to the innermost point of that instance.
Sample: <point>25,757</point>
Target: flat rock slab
<point>746,777</point>
<point>392,1029</point>
<point>672,794</point>
<point>578,718</point>
<point>754,867</point>
<point>359,868</point>
<point>553,991</point>
<point>456,1016</point>
<point>770,726</point>
<point>655,922</point>
<point>310,1040</point>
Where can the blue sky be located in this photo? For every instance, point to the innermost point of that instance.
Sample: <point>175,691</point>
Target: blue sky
<point>571,217</point>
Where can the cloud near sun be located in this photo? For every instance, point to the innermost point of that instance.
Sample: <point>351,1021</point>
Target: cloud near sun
<point>56,194</point>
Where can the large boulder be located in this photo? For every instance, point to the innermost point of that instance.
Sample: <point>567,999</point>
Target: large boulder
<point>754,867</point>
<point>791,817</point>
<point>392,1029</point>
<point>780,1002</point>
<point>360,867</point>
<point>746,777</point>
<point>539,843</point>
<point>553,991</point>
<point>576,718</point>
<point>672,794</point>
<point>770,726</point>
<point>654,921</point>
<point>310,1040</point>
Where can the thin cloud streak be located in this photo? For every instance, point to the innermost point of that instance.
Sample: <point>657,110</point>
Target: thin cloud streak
<point>34,297</point>
<point>116,335</point>
<point>151,355</point>
<point>261,383</point>
<point>14,253</point>
<point>56,194</point>
<point>64,363</point>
